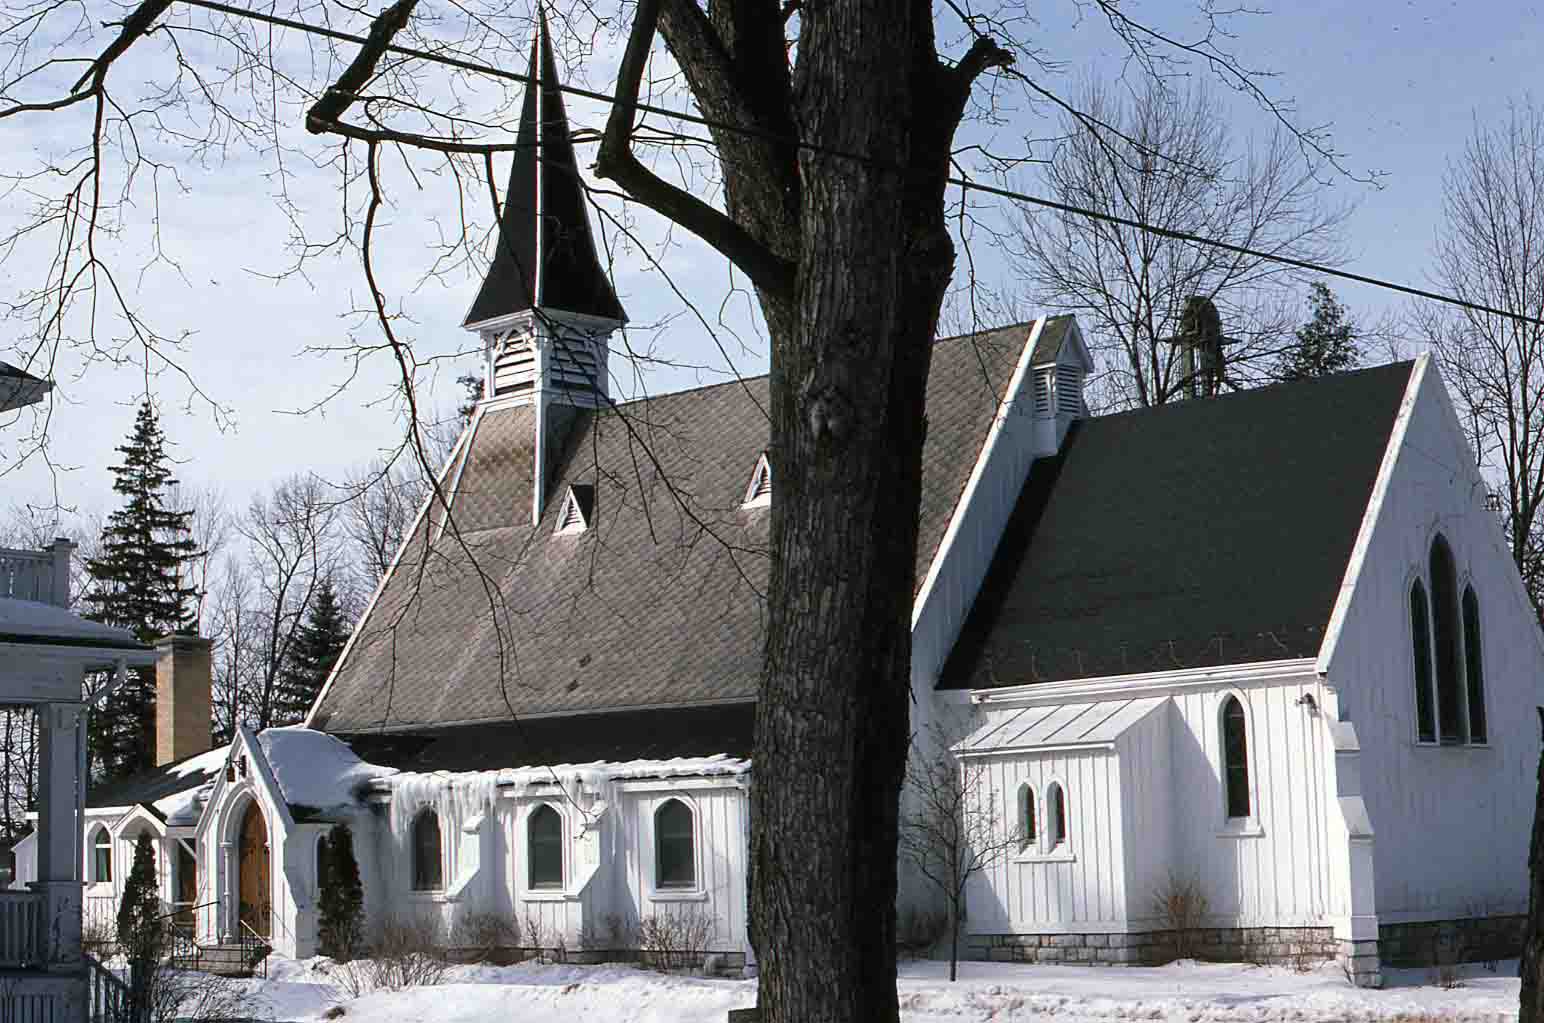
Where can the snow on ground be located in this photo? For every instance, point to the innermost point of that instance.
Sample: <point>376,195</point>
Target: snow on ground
<point>1180,993</point>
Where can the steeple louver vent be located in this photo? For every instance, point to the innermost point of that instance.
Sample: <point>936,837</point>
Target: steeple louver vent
<point>574,516</point>
<point>1069,390</point>
<point>759,493</point>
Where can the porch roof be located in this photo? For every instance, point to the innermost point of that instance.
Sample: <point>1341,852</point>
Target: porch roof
<point>31,622</point>
<point>1058,726</point>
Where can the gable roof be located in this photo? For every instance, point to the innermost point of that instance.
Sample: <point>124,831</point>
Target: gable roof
<point>659,602</point>
<point>1197,533</point>
<point>19,388</point>
<point>546,254</point>
<point>155,786</point>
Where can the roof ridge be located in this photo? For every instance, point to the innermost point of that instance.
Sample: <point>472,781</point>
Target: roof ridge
<point>1248,392</point>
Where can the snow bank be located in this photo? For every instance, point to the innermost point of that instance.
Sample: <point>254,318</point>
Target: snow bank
<point>1180,993</point>
<point>314,769</point>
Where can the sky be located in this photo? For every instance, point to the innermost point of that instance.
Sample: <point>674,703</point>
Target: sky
<point>265,387</point>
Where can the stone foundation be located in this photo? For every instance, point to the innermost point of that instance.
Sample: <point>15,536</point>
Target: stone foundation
<point>1448,942</point>
<point>1360,961</point>
<point>1290,946</point>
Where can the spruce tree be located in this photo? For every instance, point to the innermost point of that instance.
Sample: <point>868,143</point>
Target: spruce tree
<point>1325,344</point>
<point>137,583</point>
<point>139,925</point>
<point>342,903</point>
<point>318,643</point>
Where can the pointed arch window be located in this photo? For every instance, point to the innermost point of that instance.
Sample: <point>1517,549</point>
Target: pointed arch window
<point>544,847</point>
<point>1027,829</point>
<point>1445,645</point>
<point>1474,666</point>
<point>1420,639</point>
<point>101,856</point>
<point>428,865</point>
<point>675,846</point>
<point>1235,757</point>
<point>1056,812</point>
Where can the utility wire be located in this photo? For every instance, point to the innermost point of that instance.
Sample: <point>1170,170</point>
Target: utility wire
<point>965,184</point>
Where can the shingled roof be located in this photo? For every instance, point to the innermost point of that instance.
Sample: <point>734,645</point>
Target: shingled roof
<point>659,602</point>
<point>1198,533</point>
<point>545,255</point>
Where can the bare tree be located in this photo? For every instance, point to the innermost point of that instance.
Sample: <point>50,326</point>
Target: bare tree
<point>1490,251</point>
<point>235,620</point>
<point>952,826</point>
<point>1168,158</point>
<point>381,500</point>
<point>289,533</point>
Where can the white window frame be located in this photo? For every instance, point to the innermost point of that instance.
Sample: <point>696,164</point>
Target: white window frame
<point>698,891</point>
<point>523,889</point>
<point>1237,827</point>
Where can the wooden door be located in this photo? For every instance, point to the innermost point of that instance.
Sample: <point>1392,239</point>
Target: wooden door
<point>187,885</point>
<point>254,887</point>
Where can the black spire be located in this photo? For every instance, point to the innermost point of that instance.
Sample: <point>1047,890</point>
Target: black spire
<point>546,254</point>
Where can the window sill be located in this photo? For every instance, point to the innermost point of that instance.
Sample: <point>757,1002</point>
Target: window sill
<point>678,895</point>
<point>1056,855</point>
<point>1453,747</point>
<point>1249,828</point>
<point>417,895</point>
<point>548,895</point>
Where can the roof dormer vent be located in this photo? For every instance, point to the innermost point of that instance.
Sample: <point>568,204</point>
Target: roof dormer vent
<point>759,493</point>
<point>578,506</point>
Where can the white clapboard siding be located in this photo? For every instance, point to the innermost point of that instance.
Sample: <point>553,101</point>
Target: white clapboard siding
<point>1451,823</point>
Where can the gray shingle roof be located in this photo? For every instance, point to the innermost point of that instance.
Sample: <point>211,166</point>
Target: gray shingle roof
<point>659,602</point>
<point>1198,533</point>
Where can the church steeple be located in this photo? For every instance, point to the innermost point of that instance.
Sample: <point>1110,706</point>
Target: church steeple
<point>546,310</point>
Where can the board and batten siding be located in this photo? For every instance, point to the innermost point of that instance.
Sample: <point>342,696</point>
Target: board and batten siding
<point>1451,823</point>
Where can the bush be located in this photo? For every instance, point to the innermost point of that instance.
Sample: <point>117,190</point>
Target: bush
<point>342,904</point>
<point>479,937</point>
<point>1182,906</point>
<point>677,940</point>
<point>404,952</point>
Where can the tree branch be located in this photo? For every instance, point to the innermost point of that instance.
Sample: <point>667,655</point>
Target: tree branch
<point>616,161</point>
<point>324,113</point>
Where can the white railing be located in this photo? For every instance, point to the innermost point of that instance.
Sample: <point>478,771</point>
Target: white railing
<point>43,576</point>
<point>21,928</point>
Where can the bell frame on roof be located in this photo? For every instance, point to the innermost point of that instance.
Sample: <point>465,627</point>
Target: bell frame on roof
<point>758,493</point>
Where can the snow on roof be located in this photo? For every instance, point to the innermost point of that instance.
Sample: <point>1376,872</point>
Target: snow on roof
<point>1058,725</point>
<point>184,807</point>
<point>28,618</point>
<point>314,769</point>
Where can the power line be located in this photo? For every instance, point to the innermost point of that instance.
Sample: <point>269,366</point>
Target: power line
<point>965,184</point>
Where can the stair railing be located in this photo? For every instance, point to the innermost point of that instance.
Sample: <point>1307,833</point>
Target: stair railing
<point>254,950</point>
<point>107,999</point>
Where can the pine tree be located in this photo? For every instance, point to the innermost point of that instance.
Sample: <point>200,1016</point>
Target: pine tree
<point>318,644</point>
<point>139,924</point>
<point>1325,344</point>
<point>138,584</point>
<point>342,902</point>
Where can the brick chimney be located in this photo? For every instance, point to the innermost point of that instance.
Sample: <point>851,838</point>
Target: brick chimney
<point>182,683</point>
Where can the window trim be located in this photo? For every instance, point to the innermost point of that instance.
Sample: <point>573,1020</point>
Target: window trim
<point>1422,577</point>
<point>1231,821</point>
<point>101,839</point>
<point>1418,645</point>
<point>1473,659</point>
<point>564,872</point>
<point>671,893</point>
<point>414,857</point>
<point>1447,658</point>
<point>1028,808</point>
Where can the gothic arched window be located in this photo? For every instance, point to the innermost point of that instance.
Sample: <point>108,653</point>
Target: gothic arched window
<point>428,868</point>
<point>1474,666</point>
<point>675,847</point>
<point>1444,617</point>
<point>1235,757</point>
<point>1056,809</point>
<point>1026,817</point>
<point>101,856</point>
<point>1420,640</point>
<point>544,847</point>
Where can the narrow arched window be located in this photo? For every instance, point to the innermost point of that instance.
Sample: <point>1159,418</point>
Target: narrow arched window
<point>1444,618</point>
<point>428,870</point>
<point>1027,830</point>
<point>323,861</point>
<point>1235,757</point>
<point>1420,640</point>
<point>1056,808</point>
<point>675,851</point>
<point>101,856</point>
<point>544,847</point>
<point>1474,666</point>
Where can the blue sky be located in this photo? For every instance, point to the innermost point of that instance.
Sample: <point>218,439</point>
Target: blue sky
<point>1400,83</point>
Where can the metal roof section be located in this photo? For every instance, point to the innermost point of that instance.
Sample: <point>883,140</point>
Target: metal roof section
<point>1058,727</point>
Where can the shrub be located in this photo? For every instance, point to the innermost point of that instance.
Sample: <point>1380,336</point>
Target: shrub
<point>917,931</point>
<point>342,909</point>
<point>1182,906</point>
<point>675,940</point>
<point>404,952</point>
<point>478,937</point>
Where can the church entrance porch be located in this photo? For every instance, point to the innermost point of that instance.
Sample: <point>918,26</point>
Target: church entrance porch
<point>254,891</point>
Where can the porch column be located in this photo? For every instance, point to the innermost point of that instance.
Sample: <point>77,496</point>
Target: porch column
<point>58,833</point>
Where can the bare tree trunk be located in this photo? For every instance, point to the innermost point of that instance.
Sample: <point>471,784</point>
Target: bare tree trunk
<point>1532,966</point>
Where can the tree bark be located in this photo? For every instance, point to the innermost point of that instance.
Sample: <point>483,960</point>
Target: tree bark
<point>1532,966</point>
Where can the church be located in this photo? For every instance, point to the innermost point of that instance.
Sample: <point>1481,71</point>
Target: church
<point>1268,646</point>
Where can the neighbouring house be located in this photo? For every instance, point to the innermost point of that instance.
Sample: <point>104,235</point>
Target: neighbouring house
<point>1270,642</point>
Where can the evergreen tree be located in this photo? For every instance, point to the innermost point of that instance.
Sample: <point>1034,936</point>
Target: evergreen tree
<point>318,644</point>
<point>138,584</point>
<point>139,922</point>
<point>342,902</point>
<point>1325,344</point>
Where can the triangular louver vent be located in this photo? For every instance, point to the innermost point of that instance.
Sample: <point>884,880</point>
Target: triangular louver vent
<point>759,493</point>
<point>574,516</point>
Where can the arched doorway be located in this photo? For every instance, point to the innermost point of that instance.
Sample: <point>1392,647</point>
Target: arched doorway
<point>252,871</point>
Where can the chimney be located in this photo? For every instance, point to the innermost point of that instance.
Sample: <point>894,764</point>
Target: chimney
<point>182,683</point>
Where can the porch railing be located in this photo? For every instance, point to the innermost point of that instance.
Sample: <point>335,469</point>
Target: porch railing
<point>43,576</point>
<point>107,995</point>
<point>21,928</point>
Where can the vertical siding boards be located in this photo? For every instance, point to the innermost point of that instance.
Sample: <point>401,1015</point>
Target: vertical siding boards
<point>1451,823</point>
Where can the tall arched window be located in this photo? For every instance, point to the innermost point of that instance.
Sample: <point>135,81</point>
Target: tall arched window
<point>1027,829</point>
<point>544,847</point>
<point>1235,757</point>
<point>1056,809</point>
<point>1420,639</point>
<point>1444,617</point>
<point>101,856</point>
<point>1474,666</point>
<point>428,870</point>
<point>675,850</point>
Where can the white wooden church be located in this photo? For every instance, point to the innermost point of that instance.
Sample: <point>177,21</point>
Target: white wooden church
<point>1270,642</point>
